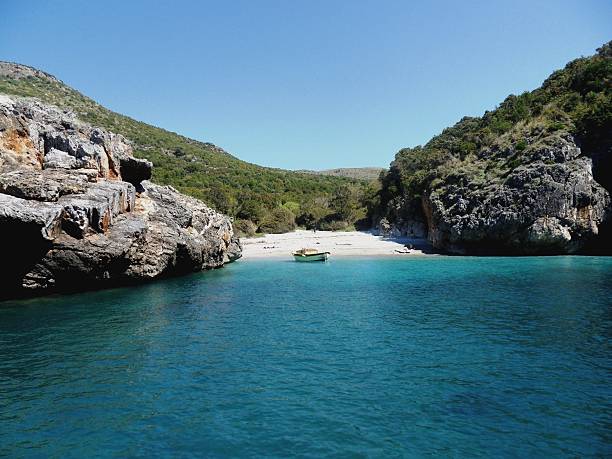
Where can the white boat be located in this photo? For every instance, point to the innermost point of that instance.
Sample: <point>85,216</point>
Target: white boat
<point>310,255</point>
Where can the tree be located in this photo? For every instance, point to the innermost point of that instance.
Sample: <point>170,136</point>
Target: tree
<point>343,203</point>
<point>251,209</point>
<point>311,215</point>
<point>292,206</point>
<point>280,220</point>
<point>220,200</point>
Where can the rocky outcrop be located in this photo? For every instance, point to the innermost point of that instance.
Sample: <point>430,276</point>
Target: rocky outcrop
<point>19,71</point>
<point>77,211</point>
<point>548,203</point>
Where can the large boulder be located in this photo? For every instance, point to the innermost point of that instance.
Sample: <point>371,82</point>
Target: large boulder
<point>77,212</point>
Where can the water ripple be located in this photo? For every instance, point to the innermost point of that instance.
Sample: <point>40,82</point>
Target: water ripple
<point>463,357</point>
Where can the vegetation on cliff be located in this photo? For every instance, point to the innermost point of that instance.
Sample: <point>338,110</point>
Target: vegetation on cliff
<point>573,106</point>
<point>204,170</point>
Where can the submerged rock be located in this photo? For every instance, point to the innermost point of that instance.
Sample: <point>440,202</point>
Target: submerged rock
<point>77,212</point>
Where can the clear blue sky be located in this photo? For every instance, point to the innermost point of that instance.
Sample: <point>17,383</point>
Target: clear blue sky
<point>302,84</point>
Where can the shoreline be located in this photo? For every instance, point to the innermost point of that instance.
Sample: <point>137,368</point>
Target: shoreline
<point>339,244</point>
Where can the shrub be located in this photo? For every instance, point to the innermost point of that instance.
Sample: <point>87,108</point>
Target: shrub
<point>311,216</point>
<point>333,225</point>
<point>344,202</point>
<point>250,209</point>
<point>244,228</point>
<point>280,220</point>
<point>292,206</point>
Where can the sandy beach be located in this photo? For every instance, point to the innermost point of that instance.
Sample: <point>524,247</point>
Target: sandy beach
<point>351,243</point>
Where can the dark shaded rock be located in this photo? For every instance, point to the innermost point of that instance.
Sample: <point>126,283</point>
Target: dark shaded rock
<point>43,217</point>
<point>135,170</point>
<point>234,250</point>
<point>27,229</point>
<point>66,141</point>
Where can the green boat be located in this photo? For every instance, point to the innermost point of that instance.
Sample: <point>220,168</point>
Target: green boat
<point>310,255</point>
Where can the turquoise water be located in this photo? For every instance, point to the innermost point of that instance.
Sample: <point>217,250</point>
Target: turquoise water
<point>461,357</point>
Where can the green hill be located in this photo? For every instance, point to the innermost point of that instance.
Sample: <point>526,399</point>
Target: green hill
<point>272,199</point>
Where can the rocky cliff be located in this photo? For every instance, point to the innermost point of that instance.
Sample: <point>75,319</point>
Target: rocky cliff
<point>77,209</point>
<point>550,204</point>
<point>531,177</point>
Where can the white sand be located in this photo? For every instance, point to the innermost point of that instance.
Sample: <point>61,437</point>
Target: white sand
<point>353,243</point>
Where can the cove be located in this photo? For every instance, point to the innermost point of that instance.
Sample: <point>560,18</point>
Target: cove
<point>387,357</point>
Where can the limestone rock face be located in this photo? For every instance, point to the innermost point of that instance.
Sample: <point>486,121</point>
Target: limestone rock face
<point>76,210</point>
<point>548,204</point>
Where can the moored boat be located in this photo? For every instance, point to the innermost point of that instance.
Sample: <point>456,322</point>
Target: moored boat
<point>310,255</point>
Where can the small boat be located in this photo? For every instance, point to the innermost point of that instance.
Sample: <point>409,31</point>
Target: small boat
<point>310,255</point>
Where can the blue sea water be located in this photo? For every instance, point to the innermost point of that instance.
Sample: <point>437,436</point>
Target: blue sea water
<point>373,357</point>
